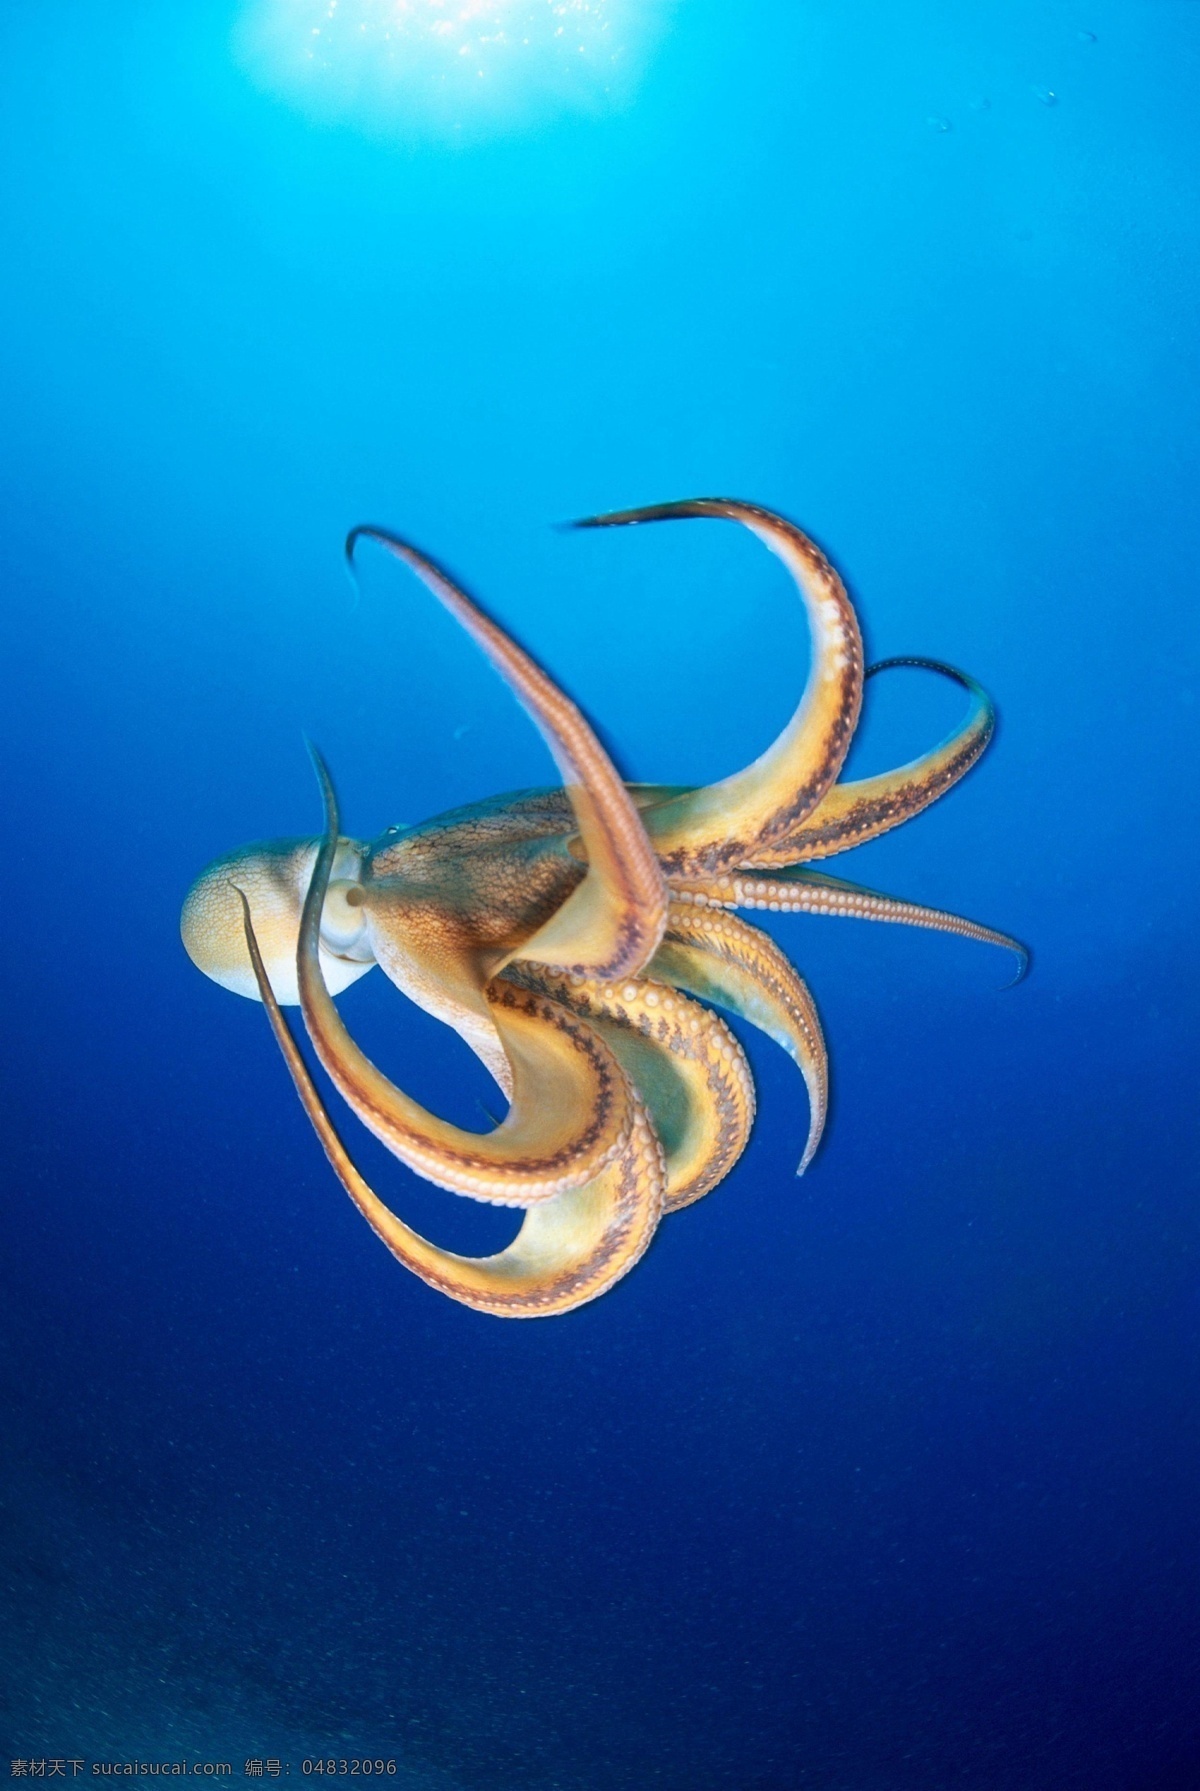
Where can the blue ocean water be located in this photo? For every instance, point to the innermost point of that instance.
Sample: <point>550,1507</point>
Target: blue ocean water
<point>880,1480</point>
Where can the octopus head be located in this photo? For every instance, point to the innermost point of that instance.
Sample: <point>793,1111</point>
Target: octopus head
<point>274,876</point>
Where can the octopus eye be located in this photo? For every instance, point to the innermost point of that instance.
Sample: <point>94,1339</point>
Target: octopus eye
<point>343,920</point>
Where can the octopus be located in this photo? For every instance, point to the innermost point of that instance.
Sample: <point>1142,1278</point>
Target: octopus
<point>579,938</point>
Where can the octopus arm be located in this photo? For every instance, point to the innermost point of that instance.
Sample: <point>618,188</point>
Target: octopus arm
<point>685,1064</point>
<point>736,820</point>
<point>611,924</point>
<point>720,958</point>
<point>571,1106</point>
<point>568,1251</point>
<point>851,813</point>
<point>798,890</point>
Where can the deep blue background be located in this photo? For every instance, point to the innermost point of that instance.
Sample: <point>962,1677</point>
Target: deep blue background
<point>880,1481</point>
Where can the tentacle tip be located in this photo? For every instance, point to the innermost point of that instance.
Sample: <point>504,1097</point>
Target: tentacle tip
<point>1024,959</point>
<point>629,519</point>
<point>677,510</point>
<point>325,783</point>
<point>365,531</point>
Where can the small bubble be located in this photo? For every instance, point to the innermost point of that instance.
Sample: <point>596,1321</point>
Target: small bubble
<point>1046,95</point>
<point>938,124</point>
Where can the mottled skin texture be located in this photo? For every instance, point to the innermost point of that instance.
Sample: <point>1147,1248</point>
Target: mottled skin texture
<point>572,937</point>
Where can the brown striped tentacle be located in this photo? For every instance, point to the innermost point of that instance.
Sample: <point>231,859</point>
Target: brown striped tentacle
<point>610,925</point>
<point>798,890</point>
<point>720,958</point>
<point>568,1251</point>
<point>685,1064</point>
<point>728,823</point>
<point>851,813</point>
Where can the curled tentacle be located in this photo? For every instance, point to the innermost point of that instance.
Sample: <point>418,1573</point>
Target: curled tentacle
<point>684,1062</point>
<point>722,959</point>
<point>851,813</point>
<point>568,1250</point>
<point>731,822</point>
<point>571,1102</point>
<point>798,890</point>
<point>611,924</point>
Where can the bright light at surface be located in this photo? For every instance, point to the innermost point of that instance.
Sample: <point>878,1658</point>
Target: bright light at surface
<point>465,66</point>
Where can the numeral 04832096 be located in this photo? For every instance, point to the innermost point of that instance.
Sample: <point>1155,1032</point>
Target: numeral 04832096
<point>330,1768</point>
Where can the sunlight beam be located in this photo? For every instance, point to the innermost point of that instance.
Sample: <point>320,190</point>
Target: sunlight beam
<point>471,67</point>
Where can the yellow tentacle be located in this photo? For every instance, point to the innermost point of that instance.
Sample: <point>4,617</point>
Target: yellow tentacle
<point>567,1251</point>
<point>851,813</point>
<point>685,1064</point>
<point>722,959</point>
<point>611,924</point>
<point>798,890</point>
<point>731,822</point>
